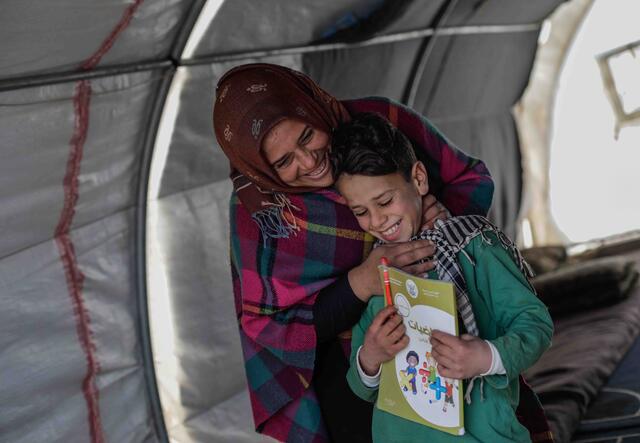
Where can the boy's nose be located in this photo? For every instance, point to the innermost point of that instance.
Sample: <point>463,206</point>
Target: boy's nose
<point>378,220</point>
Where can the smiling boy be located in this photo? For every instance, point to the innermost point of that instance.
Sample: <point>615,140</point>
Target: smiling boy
<point>507,327</point>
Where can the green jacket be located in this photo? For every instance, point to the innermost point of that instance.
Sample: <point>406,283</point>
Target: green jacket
<point>510,316</point>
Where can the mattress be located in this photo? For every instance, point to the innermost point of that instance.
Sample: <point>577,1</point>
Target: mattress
<point>587,348</point>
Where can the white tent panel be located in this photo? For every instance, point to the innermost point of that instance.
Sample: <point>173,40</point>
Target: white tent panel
<point>226,423</point>
<point>42,37</point>
<point>203,389</point>
<point>70,362</point>
<point>31,168</point>
<point>107,262</point>
<point>42,363</point>
<point>248,25</point>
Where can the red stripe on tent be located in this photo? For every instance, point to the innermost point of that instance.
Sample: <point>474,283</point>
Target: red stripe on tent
<point>73,275</point>
<point>92,61</point>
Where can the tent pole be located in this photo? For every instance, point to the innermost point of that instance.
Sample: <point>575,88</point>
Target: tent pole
<point>185,30</point>
<point>380,40</point>
<point>64,77</point>
<point>427,46</point>
<point>144,331</point>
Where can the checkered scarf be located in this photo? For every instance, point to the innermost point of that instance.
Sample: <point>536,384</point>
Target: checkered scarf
<point>450,237</point>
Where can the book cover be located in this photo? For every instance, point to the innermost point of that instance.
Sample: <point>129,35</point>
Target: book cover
<point>410,385</point>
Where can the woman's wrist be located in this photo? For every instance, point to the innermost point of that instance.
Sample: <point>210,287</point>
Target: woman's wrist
<point>356,282</point>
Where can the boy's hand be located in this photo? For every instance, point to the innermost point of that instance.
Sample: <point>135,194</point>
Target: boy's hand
<point>383,340</point>
<point>460,358</point>
<point>364,278</point>
<point>432,210</point>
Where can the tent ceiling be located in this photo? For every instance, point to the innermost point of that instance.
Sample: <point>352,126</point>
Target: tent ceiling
<point>62,36</point>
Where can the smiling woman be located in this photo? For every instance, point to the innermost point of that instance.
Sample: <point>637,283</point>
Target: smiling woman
<point>299,153</point>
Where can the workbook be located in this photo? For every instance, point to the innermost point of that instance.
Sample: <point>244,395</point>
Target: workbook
<point>410,385</point>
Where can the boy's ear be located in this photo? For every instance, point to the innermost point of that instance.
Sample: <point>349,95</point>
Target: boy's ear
<point>420,178</point>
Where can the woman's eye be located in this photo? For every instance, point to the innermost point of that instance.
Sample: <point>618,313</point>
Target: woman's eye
<point>283,163</point>
<point>306,137</point>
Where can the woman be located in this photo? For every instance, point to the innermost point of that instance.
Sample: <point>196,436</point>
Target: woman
<point>300,268</point>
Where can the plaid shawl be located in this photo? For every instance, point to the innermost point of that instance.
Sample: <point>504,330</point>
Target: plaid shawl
<point>276,280</point>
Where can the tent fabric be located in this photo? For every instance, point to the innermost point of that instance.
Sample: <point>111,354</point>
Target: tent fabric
<point>61,36</point>
<point>74,162</point>
<point>209,396</point>
<point>49,332</point>
<point>246,25</point>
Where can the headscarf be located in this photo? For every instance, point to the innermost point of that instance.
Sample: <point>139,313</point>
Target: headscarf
<point>250,100</point>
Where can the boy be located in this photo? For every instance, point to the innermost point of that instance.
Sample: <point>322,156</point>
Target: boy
<point>381,180</point>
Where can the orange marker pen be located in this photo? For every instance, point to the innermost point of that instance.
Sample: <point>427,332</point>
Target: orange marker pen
<point>387,283</point>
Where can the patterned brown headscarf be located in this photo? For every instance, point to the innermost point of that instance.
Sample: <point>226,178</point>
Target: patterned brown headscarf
<point>250,100</point>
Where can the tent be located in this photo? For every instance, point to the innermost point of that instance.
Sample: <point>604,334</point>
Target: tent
<point>116,312</point>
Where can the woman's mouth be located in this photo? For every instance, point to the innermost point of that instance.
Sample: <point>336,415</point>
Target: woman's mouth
<point>321,169</point>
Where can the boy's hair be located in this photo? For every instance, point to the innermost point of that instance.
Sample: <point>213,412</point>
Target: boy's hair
<point>370,145</point>
<point>412,354</point>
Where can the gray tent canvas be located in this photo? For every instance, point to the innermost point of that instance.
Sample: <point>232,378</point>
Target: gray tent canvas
<point>116,310</point>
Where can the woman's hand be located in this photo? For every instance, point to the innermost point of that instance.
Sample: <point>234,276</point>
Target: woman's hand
<point>460,358</point>
<point>383,340</point>
<point>364,278</point>
<point>432,210</point>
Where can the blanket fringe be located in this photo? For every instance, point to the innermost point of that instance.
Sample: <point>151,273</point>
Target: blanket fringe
<point>273,221</point>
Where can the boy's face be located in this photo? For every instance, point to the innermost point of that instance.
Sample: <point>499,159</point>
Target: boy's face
<point>386,206</point>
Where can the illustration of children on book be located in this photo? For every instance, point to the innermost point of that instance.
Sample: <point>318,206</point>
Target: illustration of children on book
<point>448,396</point>
<point>430,372</point>
<point>410,374</point>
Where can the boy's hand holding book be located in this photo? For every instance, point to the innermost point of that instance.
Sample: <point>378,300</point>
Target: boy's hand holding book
<point>384,338</point>
<point>460,357</point>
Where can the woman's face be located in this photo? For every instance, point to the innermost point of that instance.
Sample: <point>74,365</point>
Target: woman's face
<point>299,154</point>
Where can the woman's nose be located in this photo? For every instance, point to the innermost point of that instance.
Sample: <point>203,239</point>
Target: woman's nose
<point>307,158</point>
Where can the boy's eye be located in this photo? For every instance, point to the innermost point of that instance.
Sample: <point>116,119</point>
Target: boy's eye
<point>359,213</point>
<point>386,202</point>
